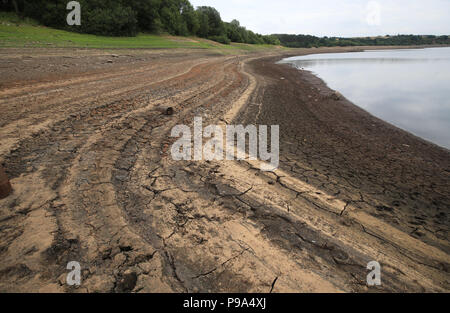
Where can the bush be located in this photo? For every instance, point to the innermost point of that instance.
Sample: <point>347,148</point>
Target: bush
<point>220,39</point>
<point>53,14</point>
<point>114,21</point>
<point>271,40</point>
<point>10,17</point>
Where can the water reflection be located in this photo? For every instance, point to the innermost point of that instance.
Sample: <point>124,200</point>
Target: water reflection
<point>408,88</point>
<point>310,63</point>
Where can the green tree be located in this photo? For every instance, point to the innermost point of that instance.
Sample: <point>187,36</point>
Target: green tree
<point>147,14</point>
<point>234,31</point>
<point>190,18</point>
<point>109,20</point>
<point>203,21</point>
<point>210,22</point>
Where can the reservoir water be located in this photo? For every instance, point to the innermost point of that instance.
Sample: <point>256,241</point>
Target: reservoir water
<point>409,88</point>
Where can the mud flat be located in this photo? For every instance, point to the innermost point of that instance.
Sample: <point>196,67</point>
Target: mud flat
<point>87,154</point>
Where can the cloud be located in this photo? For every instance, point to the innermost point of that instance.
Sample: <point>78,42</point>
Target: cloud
<point>373,17</point>
<point>337,18</point>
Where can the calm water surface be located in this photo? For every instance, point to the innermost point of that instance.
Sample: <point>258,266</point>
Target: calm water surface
<point>408,88</point>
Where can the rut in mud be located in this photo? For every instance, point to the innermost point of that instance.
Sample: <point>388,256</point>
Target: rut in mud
<point>89,159</point>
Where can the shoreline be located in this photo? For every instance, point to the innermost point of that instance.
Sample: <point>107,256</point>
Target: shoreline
<point>324,83</point>
<point>377,140</point>
<point>388,124</point>
<point>93,181</point>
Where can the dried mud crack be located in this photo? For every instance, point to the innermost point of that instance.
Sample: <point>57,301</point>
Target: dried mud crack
<point>89,160</point>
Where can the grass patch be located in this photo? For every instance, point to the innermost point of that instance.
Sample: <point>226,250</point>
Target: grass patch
<point>17,32</point>
<point>12,18</point>
<point>13,35</point>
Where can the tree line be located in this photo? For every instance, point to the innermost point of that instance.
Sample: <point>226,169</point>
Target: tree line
<point>180,18</point>
<point>308,41</point>
<point>128,17</point>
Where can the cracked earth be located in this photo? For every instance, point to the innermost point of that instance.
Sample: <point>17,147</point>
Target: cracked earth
<point>88,156</point>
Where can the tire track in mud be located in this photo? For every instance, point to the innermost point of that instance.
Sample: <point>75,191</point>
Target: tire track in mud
<point>87,98</point>
<point>169,189</point>
<point>129,148</point>
<point>37,151</point>
<point>98,186</point>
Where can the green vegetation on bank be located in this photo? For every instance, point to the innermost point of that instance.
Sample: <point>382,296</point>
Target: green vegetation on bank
<point>128,18</point>
<point>18,32</point>
<point>153,24</point>
<point>307,41</point>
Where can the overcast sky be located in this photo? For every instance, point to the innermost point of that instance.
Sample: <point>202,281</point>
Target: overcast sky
<point>337,17</point>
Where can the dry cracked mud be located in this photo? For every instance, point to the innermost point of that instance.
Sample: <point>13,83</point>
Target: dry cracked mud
<point>89,160</point>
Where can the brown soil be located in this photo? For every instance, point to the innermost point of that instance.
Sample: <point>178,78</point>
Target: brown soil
<point>88,157</point>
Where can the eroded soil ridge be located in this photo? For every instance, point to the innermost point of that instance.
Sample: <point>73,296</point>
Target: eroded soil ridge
<point>89,160</point>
